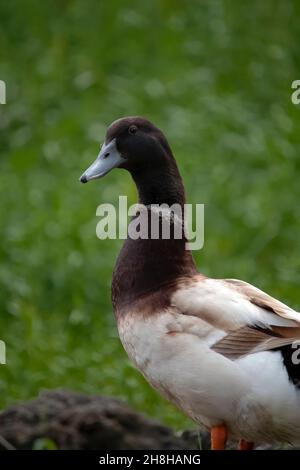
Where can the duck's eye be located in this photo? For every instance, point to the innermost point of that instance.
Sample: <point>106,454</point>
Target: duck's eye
<point>132,129</point>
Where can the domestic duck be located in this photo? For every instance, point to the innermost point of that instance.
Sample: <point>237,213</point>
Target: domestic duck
<point>221,350</point>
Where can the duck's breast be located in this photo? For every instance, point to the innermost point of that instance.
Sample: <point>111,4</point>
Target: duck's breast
<point>175,357</point>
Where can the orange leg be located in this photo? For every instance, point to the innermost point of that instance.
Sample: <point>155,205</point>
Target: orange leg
<point>218,435</point>
<point>245,445</point>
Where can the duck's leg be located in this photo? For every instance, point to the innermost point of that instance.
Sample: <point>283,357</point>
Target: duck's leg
<point>245,445</point>
<point>218,436</point>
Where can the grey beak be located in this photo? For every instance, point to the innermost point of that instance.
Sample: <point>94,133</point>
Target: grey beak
<point>108,158</point>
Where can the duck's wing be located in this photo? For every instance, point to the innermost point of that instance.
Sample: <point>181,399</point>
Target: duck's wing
<point>263,300</point>
<point>255,338</point>
<point>250,340</point>
<point>251,320</point>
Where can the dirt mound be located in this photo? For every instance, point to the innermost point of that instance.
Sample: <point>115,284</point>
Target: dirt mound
<point>67,420</point>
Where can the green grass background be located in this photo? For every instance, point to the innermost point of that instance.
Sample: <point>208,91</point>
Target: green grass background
<point>216,77</point>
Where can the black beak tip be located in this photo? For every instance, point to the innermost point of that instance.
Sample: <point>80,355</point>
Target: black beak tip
<point>83,179</point>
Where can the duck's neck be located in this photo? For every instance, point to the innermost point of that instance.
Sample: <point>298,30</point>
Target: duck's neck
<point>149,266</point>
<point>160,185</point>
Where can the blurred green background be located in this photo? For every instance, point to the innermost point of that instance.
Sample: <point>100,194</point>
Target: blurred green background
<point>216,77</point>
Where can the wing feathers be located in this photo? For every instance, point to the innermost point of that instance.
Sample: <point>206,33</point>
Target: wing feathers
<point>263,300</point>
<point>250,340</point>
<point>251,320</point>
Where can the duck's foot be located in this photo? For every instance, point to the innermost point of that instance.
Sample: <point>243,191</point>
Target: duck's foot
<point>218,436</point>
<point>245,445</point>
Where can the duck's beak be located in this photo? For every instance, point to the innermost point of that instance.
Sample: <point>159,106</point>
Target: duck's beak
<point>108,158</point>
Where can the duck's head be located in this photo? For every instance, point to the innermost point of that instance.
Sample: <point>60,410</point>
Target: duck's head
<point>132,143</point>
<point>136,145</point>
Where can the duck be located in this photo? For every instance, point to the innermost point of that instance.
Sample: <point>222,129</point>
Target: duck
<point>222,350</point>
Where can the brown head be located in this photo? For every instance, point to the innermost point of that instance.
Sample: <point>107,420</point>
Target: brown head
<point>136,145</point>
